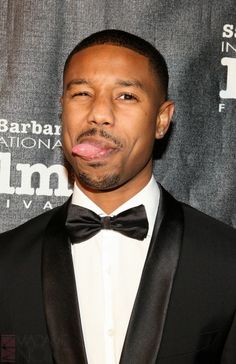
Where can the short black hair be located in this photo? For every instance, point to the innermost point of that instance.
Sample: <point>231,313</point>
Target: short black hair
<point>131,41</point>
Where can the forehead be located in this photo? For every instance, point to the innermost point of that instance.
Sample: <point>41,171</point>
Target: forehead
<point>109,61</point>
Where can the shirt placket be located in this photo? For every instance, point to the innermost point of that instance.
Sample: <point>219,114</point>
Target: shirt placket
<point>108,301</point>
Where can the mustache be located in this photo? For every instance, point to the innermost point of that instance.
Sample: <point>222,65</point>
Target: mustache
<point>101,133</point>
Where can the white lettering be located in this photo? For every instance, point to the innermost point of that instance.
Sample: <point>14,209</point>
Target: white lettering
<point>228,47</point>
<point>46,144</point>
<point>57,144</point>
<point>14,128</point>
<point>3,141</point>
<point>3,125</point>
<point>221,107</point>
<point>228,31</point>
<point>24,128</point>
<point>33,127</point>
<point>47,129</point>
<point>44,179</point>
<point>57,129</point>
<point>222,46</point>
<point>27,205</point>
<point>28,143</point>
<point>47,205</point>
<point>45,173</point>
<point>230,92</point>
<point>51,129</point>
<point>5,165</point>
<point>36,127</point>
<point>12,140</point>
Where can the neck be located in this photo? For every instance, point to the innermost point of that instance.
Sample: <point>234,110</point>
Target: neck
<point>110,200</point>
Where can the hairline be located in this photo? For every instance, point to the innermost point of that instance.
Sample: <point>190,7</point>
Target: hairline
<point>113,43</point>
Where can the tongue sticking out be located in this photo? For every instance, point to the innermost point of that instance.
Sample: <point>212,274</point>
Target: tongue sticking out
<point>90,151</point>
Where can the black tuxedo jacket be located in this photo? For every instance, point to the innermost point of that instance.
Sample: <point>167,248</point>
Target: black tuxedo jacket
<point>184,312</point>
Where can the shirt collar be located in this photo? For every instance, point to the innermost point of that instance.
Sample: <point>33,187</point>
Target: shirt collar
<point>149,196</point>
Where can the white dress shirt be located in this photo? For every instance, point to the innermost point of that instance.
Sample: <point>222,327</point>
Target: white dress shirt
<point>108,269</point>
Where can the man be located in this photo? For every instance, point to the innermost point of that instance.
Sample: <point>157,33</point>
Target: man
<point>154,282</point>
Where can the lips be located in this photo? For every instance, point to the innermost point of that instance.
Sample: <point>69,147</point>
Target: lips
<point>93,150</point>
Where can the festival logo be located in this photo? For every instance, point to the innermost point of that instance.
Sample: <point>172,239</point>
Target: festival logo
<point>27,136</point>
<point>228,50</point>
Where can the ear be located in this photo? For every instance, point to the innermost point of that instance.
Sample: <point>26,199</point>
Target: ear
<point>61,100</point>
<point>164,118</point>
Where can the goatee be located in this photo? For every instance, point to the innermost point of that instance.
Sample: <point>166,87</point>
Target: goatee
<point>103,183</point>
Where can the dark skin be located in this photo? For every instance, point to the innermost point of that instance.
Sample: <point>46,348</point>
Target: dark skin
<point>114,92</point>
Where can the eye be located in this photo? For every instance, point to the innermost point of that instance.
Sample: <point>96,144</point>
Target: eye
<point>128,97</point>
<point>81,94</point>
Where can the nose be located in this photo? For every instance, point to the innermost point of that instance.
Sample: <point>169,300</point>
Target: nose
<point>101,112</point>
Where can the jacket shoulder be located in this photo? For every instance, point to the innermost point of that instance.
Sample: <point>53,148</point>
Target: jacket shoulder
<point>203,224</point>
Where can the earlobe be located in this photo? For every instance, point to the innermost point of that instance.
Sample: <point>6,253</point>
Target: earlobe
<point>164,118</point>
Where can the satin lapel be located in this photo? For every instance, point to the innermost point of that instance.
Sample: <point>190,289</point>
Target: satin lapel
<point>147,321</point>
<point>60,297</point>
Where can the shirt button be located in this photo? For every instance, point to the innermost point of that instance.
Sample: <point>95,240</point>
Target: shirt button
<point>110,332</point>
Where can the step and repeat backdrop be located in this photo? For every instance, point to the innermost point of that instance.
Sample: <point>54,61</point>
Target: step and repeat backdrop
<point>197,160</point>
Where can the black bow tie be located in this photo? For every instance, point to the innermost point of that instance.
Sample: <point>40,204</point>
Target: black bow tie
<point>83,223</point>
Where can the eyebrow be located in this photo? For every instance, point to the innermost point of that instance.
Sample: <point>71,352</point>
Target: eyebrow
<point>119,82</point>
<point>80,81</point>
<point>130,83</point>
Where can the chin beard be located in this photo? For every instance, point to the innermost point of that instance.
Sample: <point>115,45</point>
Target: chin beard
<point>107,182</point>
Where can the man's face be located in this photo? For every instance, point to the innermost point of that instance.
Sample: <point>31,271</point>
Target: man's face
<point>111,114</point>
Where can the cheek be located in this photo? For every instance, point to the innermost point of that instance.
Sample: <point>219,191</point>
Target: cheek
<point>70,125</point>
<point>143,151</point>
<point>67,137</point>
<point>145,138</point>
<point>65,132</point>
